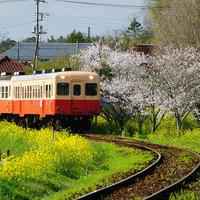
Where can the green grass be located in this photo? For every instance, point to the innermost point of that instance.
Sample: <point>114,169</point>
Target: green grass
<point>44,167</point>
<point>189,138</point>
<point>185,195</point>
<point>166,134</point>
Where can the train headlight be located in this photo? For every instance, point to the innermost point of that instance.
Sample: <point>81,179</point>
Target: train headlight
<point>91,77</point>
<point>62,77</point>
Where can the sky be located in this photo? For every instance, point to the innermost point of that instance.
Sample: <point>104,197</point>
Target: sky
<point>17,18</point>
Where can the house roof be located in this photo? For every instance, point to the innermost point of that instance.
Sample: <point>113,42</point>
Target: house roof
<point>10,66</point>
<point>25,50</point>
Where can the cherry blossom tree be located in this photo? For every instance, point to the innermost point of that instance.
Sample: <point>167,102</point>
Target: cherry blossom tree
<point>142,86</point>
<point>127,89</point>
<point>176,72</point>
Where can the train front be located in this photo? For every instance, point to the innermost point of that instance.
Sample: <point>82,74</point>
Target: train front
<point>78,96</point>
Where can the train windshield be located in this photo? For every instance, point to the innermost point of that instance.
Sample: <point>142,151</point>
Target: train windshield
<point>77,90</point>
<point>90,89</point>
<point>62,89</point>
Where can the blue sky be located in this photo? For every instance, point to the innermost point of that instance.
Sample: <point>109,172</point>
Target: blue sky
<point>16,18</point>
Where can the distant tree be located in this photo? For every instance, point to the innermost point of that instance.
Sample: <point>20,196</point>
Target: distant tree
<point>134,35</point>
<point>135,28</point>
<point>76,37</point>
<point>61,39</point>
<point>30,39</point>
<point>6,44</point>
<point>177,22</point>
<point>72,38</point>
<point>51,39</point>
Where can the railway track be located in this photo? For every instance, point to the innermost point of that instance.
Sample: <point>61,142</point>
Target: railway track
<point>171,169</point>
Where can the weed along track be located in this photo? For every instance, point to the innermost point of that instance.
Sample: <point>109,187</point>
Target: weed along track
<point>171,168</point>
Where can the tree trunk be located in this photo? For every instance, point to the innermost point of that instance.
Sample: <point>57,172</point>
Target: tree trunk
<point>179,122</point>
<point>140,120</point>
<point>140,127</point>
<point>154,123</point>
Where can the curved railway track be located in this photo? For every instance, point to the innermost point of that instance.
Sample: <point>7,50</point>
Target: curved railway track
<point>168,172</point>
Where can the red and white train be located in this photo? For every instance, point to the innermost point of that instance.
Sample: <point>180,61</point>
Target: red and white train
<point>65,98</point>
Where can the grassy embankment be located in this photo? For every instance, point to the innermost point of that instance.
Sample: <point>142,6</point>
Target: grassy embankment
<point>190,139</point>
<point>60,166</point>
<point>166,134</point>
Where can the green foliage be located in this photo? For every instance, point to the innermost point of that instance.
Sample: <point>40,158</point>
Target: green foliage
<point>127,41</point>
<point>57,63</point>
<point>167,134</point>
<point>6,44</point>
<point>132,128</point>
<point>186,195</point>
<point>30,39</point>
<point>135,28</point>
<point>102,126</point>
<point>71,38</point>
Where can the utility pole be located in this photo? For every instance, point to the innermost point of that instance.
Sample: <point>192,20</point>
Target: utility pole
<point>89,33</point>
<point>38,30</point>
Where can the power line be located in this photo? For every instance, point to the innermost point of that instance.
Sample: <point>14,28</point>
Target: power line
<point>18,25</point>
<point>11,1</point>
<point>106,4</point>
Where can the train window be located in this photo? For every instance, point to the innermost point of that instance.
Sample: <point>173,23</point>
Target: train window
<point>90,89</point>
<point>14,92</point>
<point>77,90</point>
<point>33,91</point>
<point>6,92</point>
<point>25,91</point>
<point>2,92</point>
<point>41,91</point>
<point>37,91</point>
<point>18,92</point>
<point>62,89</point>
<point>30,91</point>
<point>9,93</point>
<point>48,91</point>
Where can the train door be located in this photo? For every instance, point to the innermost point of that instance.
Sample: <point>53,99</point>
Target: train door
<point>76,98</point>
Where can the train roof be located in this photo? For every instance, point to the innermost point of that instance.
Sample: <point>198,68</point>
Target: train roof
<point>52,75</point>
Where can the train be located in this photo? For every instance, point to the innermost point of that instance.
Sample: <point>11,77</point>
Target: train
<point>64,98</point>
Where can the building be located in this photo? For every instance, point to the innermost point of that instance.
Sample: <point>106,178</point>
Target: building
<point>147,49</point>
<point>10,66</point>
<point>25,50</point>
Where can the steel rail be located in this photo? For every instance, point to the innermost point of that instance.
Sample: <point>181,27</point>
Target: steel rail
<point>165,192</point>
<point>159,195</point>
<point>108,189</point>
